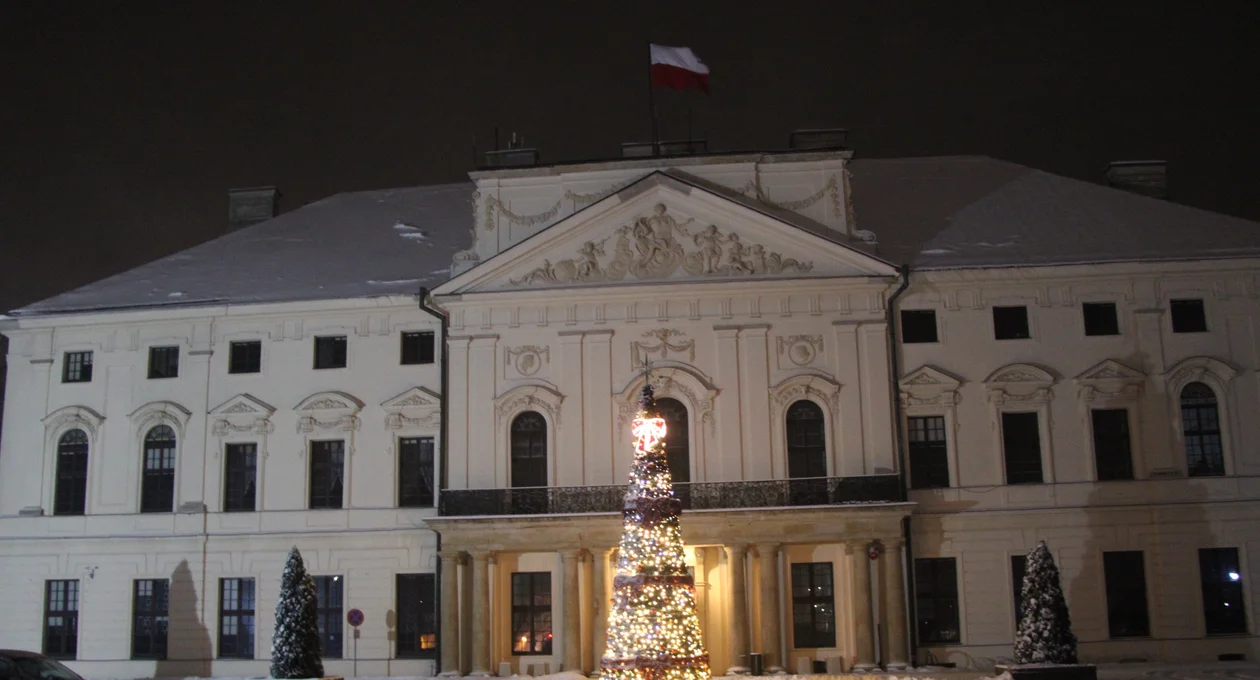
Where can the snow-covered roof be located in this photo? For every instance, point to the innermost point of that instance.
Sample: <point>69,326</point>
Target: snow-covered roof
<point>930,213</point>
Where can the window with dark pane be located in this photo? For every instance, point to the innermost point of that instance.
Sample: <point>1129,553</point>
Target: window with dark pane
<point>236,618</point>
<point>1018,564</point>
<point>328,469</point>
<point>806,440</point>
<point>1113,458</point>
<point>70,494</point>
<point>1224,609</point>
<point>157,488</point>
<point>918,325</point>
<point>813,606</point>
<point>415,472</point>
<point>1010,323</point>
<point>76,367</point>
<point>531,612</point>
<point>330,352</point>
<point>677,446</point>
<point>61,619</point>
<point>529,450</point>
<point>1201,429</point>
<point>417,347</point>
<point>1021,446</point>
<point>936,599</point>
<point>417,616</point>
<point>150,601</point>
<point>245,356</point>
<point>163,362</point>
<point>328,604</point>
<point>240,474</point>
<point>1100,318</point>
<point>1124,576</point>
<point>1188,316</point>
<point>929,457</point>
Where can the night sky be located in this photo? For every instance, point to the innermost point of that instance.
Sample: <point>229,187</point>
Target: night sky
<point>124,124</point>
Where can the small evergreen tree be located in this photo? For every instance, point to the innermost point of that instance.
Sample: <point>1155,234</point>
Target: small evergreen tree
<point>295,648</point>
<point>1045,628</point>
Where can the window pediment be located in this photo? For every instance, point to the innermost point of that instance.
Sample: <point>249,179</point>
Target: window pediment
<point>330,411</point>
<point>70,417</point>
<point>811,387</point>
<point>1110,379</point>
<point>1019,383</point>
<point>417,407</point>
<point>242,413</point>
<point>670,381</point>
<point>161,412</point>
<point>529,398</point>
<point>1199,369</point>
<point>929,385</point>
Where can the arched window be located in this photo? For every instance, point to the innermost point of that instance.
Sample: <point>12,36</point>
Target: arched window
<point>1201,427</point>
<point>677,439</point>
<point>529,450</point>
<point>806,440</point>
<point>70,497</point>
<point>157,488</point>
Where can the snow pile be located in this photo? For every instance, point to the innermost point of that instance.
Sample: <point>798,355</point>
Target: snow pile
<point>409,232</point>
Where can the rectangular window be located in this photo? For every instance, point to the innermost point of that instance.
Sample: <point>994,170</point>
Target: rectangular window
<point>417,620</point>
<point>1124,575</point>
<point>328,463</point>
<point>245,357</point>
<point>417,347</point>
<point>936,599</point>
<point>1018,563</point>
<point>149,609</point>
<point>157,485</point>
<point>1224,610</point>
<point>415,472</point>
<point>1112,457</point>
<point>531,612</point>
<point>236,618</point>
<point>1010,323</point>
<point>330,352</point>
<point>240,473</point>
<point>1100,318</point>
<point>328,613</point>
<point>61,619</point>
<point>1021,446</point>
<point>813,606</point>
<point>929,460</point>
<point>918,325</point>
<point>1188,316</point>
<point>163,362</point>
<point>76,367</point>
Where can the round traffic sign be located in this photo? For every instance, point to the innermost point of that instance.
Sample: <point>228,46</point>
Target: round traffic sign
<point>354,617</point>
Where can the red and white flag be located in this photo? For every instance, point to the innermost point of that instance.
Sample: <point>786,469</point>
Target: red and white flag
<point>678,68</point>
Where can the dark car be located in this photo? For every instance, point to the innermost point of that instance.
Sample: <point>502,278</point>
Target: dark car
<point>17,665</point>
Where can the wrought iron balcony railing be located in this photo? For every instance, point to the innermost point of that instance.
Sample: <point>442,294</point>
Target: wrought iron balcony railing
<point>774,493</point>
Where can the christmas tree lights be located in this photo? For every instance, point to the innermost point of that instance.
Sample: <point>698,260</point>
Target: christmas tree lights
<point>653,630</point>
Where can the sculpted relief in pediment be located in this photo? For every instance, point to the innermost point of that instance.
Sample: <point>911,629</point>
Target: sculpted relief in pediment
<point>655,246</point>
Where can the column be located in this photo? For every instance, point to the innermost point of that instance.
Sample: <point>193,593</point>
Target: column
<point>572,616</point>
<point>769,554</point>
<point>599,594</point>
<point>589,600</point>
<point>449,637</point>
<point>481,614</point>
<point>739,607</point>
<point>894,605</point>
<point>860,564</point>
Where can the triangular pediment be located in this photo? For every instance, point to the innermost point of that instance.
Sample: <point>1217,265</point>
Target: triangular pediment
<point>929,376</point>
<point>414,398</point>
<point>665,229</point>
<point>1110,370</point>
<point>244,405</point>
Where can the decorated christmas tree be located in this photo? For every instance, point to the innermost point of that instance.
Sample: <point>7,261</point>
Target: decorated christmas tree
<point>653,631</point>
<point>1045,628</point>
<point>295,647</point>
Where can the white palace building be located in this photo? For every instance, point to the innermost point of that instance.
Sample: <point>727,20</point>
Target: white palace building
<point>884,382</point>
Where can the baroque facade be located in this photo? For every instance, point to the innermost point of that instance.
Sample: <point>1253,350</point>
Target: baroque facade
<point>869,425</point>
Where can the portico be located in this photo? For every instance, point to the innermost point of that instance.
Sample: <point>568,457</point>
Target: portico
<point>745,595</point>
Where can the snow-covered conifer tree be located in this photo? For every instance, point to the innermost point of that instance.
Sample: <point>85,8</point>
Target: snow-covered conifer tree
<point>295,647</point>
<point>1045,628</point>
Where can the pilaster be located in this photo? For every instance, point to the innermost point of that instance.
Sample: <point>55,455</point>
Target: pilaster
<point>896,653</point>
<point>769,596</point>
<point>448,638</point>
<point>859,564</point>
<point>572,617</point>
<point>729,466</point>
<point>481,614</point>
<point>754,397</point>
<point>569,456</point>
<point>735,556</point>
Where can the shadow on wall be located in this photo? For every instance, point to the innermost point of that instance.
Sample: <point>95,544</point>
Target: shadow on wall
<point>189,650</point>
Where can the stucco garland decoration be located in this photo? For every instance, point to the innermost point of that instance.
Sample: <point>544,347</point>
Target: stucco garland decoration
<point>800,349</point>
<point>527,360</point>
<point>493,203</point>
<point>648,250</point>
<point>831,189</point>
<point>642,350</point>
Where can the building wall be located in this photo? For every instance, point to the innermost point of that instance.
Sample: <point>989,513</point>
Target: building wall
<point>368,541</point>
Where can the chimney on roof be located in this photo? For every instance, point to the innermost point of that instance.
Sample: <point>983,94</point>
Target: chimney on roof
<point>818,140</point>
<point>1148,178</point>
<point>517,155</point>
<point>251,206</point>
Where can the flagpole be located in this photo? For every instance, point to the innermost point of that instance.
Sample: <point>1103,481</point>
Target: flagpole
<point>656,142</point>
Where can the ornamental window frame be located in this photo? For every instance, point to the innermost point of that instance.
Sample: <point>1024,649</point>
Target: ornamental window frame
<point>824,393</point>
<point>538,398</point>
<point>686,385</point>
<point>1218,376</point>
<point>1110,384</point>
<point>143,421</point>
<point>243,419</point>
<point>415,413</point>
<point>57,424</point>
<point>1021,388</point>
<point>326,416</point>
<point>932,391</point>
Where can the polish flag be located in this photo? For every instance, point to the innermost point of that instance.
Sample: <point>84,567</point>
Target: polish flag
<point>678,68</point>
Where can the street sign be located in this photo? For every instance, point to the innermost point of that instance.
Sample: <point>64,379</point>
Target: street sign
<point>354,617</point>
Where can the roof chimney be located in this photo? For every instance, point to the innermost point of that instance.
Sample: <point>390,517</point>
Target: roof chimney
<point>251,206</point>
<point>517,155</point>
<point>1148,178</point>
<point>818,140</point>
<point>673,147</point>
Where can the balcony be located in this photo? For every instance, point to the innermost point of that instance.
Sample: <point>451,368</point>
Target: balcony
<point>773,493</point>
